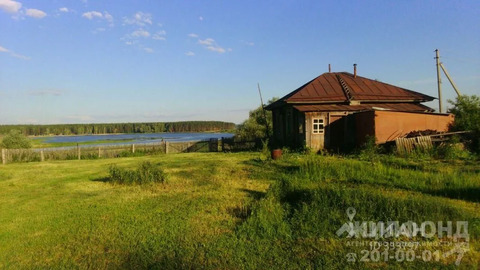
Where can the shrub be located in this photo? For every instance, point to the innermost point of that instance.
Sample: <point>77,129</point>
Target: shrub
<point>265,154</point>
<point>451,151</point>
<point>15,140</point>
<point>145,173</point>
<point>467,117</point>
<point>255,127</point>
<point>369,150</point>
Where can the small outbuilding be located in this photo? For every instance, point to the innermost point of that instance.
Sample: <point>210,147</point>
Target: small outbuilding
<point>339,110</point>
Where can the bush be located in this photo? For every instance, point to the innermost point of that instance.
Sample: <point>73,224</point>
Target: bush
<point>15,140</point>
<point>467,118</point>
<point>265,154</point>
<point>255,127</point>
<point>369,150</point>
<point>145,173</point>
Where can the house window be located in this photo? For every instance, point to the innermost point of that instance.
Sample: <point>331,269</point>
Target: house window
<point>318,127</point>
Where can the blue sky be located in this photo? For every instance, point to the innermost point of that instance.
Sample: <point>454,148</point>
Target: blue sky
<point>95,61</point>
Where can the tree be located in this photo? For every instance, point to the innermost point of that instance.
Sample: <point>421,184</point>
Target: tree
<point>467,117</point>
<point>255,126</point>
<point>15,140</point>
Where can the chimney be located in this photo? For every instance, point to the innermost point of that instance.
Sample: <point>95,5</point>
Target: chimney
<point>329,68</point>
<point>355,70</point>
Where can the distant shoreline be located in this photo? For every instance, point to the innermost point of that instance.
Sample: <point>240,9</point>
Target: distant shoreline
<point>106,134</point>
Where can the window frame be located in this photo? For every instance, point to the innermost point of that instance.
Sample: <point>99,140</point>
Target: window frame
<point>318,125</point>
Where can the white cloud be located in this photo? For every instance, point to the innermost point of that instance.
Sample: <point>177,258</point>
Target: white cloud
<point>192,35</point>
<point>64,9</point>
<point>249,43</point>
<point>13,54</point>
<point>216,49</point>
<point>10,6</point>
<point>160,35</point>
<point>92,14</point>
<point>211,45</point>
<point>139,18</point>
<point>131,42</point>
<point>200,18</point>
<point>148,50</point>
<point>208,41</point>
<point>108,17</point>
<point>140,33</point>
<point>35,13</point>
<point>16,55</point>
<point>189,53</point>
<point>96,14</point>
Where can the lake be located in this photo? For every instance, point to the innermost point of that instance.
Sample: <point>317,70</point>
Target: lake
<point>137,138</point>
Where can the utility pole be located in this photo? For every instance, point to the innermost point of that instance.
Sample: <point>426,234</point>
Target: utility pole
<point>439,82</point>
<point>450,79</point>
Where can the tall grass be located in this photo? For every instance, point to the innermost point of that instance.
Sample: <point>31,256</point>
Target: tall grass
<point>146,173</point>
<point>295,224</point>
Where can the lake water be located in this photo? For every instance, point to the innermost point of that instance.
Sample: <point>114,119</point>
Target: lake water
<point>138,138</point>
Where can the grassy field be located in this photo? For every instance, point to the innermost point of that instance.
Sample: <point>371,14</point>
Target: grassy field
<point>227,210</point>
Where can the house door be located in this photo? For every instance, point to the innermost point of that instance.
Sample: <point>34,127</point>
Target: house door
<point>317,131</point>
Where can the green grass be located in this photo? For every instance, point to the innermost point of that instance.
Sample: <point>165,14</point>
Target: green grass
<point>224,210</point>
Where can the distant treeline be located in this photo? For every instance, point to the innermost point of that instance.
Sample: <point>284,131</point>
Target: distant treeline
<point>83,129</point>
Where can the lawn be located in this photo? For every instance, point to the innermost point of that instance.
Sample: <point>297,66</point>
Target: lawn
<point>226,210</point>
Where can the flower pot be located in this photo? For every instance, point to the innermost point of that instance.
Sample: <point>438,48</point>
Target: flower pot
<point>276,154</point>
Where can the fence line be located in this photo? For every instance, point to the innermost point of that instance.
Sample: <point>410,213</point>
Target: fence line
<point>122,150</point>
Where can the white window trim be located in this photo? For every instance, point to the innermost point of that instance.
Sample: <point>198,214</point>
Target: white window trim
<point>318,126</point>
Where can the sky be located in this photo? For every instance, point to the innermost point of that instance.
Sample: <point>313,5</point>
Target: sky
<point>93,61</point>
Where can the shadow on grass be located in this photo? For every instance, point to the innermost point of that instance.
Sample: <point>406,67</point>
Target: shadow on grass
<point>257,195</point>
<point>466,194</point>
<point>240,212</point>
<point>105,179</point>
<point>271,167</point>
<point>243,212</point>
<point>461,193</point>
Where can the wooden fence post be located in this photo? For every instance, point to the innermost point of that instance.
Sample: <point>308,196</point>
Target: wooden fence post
<point>4,158</point>
<point>79,153</point>
<point>42,156</point>
<point>223,145</point>
<point>166,147</point>
<point>133,148</point>
<point>99,152</point>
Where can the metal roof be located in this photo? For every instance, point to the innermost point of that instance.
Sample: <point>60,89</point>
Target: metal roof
<point>405,107</point>
<point>341,87</point>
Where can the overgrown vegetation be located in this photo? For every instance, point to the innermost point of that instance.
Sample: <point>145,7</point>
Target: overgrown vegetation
<point>467,118</point>
<point>15,140</point>
<point>146,173</point>
<point>255,127</point>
